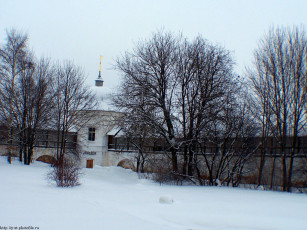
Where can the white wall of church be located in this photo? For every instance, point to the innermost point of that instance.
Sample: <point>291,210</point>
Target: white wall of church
<point>97,150</point>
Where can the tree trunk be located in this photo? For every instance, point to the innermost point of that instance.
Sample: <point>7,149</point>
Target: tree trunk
<point>261,162</point>
<point>185,160</point>
<point>272,172</point>
<point>284,171</point>
<point>174,159</point>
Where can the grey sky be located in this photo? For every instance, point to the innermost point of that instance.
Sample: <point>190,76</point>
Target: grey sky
<point>83,30</point>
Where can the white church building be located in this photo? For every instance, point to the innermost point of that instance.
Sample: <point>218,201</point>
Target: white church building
<point>94,137</point>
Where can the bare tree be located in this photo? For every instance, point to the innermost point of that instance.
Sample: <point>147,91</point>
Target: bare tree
<point>140,136</point>
<point>225,142</point>
<point>71,97</point>
<point>33,105</point>
<point>278,81</point>
<point>205,74</point>
<point>149,72</point>
<point>24,94</point>
<point>13,55</point>
<point>181,90</point>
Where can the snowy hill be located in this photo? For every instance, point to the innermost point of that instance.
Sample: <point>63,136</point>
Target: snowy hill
<point>114,198</point>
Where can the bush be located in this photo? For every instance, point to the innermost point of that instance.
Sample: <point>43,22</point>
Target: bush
<point>168,178</point>
<point>161,172</point>
<point>65,172</point>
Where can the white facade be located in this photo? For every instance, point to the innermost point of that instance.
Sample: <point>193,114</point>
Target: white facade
<point>93,145</point>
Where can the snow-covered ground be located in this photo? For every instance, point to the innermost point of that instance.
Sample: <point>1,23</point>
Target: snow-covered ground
<point>114,198</point>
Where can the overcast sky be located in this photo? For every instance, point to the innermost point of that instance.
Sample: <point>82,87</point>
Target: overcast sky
<point>81,31</point>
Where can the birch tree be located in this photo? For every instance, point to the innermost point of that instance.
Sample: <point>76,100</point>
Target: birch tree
<point>278,80</point>
<point>13,55</point>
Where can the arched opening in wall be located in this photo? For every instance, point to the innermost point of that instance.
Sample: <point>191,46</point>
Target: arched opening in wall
<point>46,159</point>
<point>126,164</point>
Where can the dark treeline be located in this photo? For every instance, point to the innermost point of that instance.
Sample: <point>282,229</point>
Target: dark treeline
<point>36,94</point>
<point>186,94</point>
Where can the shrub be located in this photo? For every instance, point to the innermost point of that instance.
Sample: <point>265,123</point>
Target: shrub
<point>65,172</point>
<point>168,178</point>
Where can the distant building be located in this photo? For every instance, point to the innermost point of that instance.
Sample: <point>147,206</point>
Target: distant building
<point>93,138</point>
<point>90,140</point>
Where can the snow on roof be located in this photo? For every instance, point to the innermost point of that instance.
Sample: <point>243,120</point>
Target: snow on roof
<point>116,131</point>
